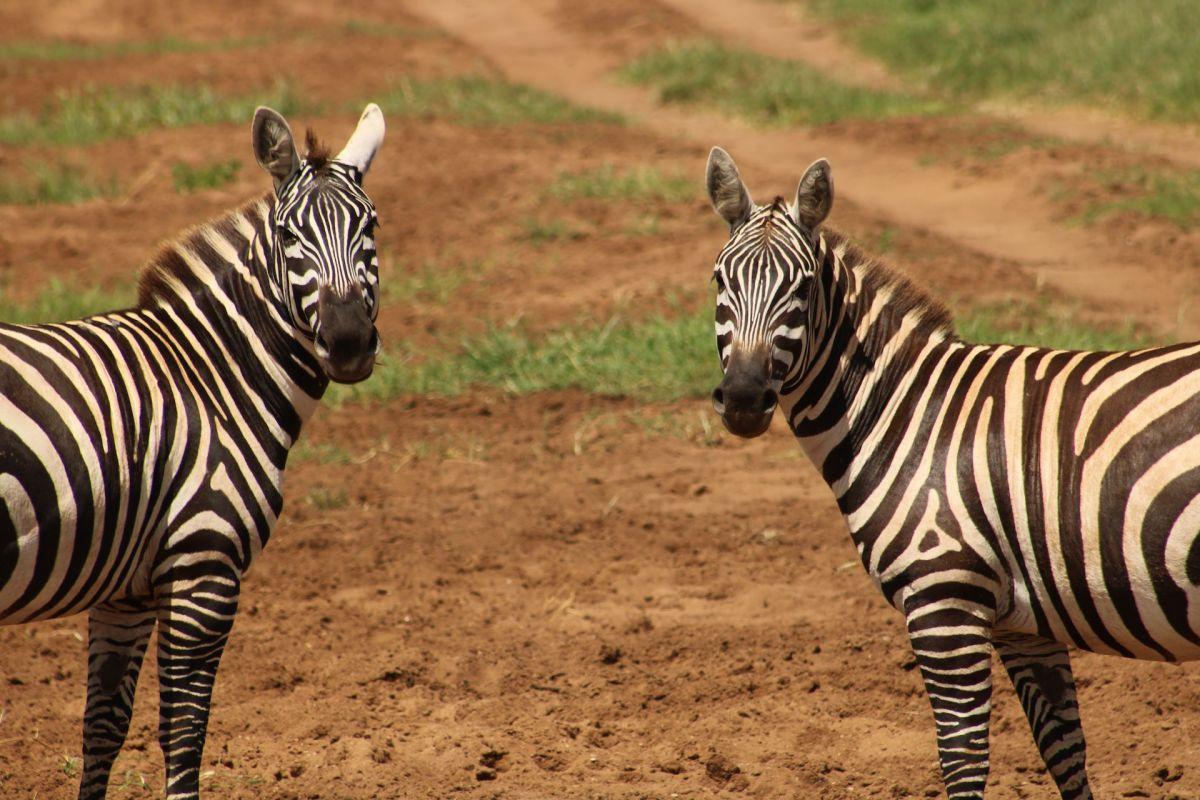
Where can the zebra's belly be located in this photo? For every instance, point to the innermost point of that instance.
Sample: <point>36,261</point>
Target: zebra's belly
<point>58,558</point>
<point>1128,588</point>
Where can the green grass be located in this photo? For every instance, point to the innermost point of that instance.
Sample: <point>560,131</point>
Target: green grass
<point>545,231</point>
<point>1135,55</point>
<point>660,358</point>
<point>324,499</point>
<point>478,101</point>
<point>1173,195</point>
<point>46,183</point>
<point>100,113</point>
<point>664,357</point>
<point>641,183</point>
<point>1038,323</point>
<point>761,88</point>
<point>187,178</point>
<point>76,51</point>
<point>321,453</point>
<point>432,282</point>
<point>59,301</point>
<point>92,51</point>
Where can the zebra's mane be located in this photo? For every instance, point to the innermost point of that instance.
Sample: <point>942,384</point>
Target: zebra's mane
<point>171,265</point>
<point>904,296</point>
<point>318,154</point>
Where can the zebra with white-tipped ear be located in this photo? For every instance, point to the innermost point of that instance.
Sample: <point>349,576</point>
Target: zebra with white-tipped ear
<point>143,450</point>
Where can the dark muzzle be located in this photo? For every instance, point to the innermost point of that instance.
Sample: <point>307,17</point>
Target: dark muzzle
<point>745,399</point>
<point>346,340</point>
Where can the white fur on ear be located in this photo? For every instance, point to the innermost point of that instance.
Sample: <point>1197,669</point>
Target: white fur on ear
<point>365,141</point>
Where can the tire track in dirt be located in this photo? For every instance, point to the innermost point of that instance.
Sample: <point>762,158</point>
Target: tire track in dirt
<point>999,216</point>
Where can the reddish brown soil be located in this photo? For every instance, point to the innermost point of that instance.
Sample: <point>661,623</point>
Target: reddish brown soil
<point>554,596</point>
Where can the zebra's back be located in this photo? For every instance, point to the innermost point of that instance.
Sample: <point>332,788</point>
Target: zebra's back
<point>1072,477</point>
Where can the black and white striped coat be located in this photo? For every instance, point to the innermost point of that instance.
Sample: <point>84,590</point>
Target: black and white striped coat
<point>142,451</point>
<point>1015,499</point>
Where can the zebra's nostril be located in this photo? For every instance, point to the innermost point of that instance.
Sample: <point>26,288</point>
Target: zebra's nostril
<point>373,344</point>
<point>718,397</point>
<point>322,345</point>
<point>769,400</point>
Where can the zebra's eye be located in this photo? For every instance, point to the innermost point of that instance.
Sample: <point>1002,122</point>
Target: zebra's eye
<point>719,281</point>
<point>801,292</point>
<point>288,237</point>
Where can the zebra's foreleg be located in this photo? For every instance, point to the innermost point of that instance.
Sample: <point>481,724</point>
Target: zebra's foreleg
<point>117,638</point>
<point>1041,674</point>
<point>194,626</point>
<point>952,646</point>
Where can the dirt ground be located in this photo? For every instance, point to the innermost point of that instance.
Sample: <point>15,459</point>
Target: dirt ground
<point>564,595</point>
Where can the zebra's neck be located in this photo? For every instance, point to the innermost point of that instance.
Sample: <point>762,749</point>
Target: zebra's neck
<point>216,277</point>
<point>871,328</point>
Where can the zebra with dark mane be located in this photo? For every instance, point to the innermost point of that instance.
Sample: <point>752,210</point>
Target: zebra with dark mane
<point>142,451</point>
<point>1004,498</point>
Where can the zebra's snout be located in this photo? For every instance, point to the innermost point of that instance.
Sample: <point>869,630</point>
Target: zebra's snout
<point>745,401</point>
<point>346,340</point>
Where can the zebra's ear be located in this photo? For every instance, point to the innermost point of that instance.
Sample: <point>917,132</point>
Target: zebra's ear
<point>274,146</point>
<point>364,143</point>
<point>728,194</point>
<point>814,195</point>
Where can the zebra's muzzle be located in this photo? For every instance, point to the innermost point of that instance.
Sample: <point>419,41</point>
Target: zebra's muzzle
<point>346,341</point>
<point>744,399</point>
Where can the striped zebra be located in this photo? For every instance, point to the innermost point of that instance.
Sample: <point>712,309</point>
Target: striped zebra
<point>142,451</point>
<point>1015,499</point>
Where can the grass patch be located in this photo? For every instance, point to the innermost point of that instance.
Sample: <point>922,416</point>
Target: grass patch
<point>542,231</point>
<point>76,51</point>
<point>188,179</point>
<point>321,453</point>
<point>99,113</point>
<point>1173,196</point>
<point>46,183</point>
<point>458,447</point>
<point>642,183</point>
<point>59,301</point>
<point>664,357</point>
<point>763,89</point>
<point>1038,323</point>
<point>1137,56</point>
<point>324,499</point>
<point>433,282</point>
<point>660,358</point>
<point>479,101</point>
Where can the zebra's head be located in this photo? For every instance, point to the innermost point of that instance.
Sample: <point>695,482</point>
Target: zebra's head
<point>324,268</point>
<point>764,277</point>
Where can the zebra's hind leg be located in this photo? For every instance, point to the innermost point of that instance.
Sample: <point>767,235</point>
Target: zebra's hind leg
<point>1041,674</point>
<point>193,627</point>
<point>118,634</point>
<point>952,646</point>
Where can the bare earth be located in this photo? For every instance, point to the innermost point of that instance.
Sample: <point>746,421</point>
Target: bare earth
<point>560,595</point>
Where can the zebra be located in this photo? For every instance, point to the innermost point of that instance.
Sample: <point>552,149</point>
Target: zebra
<point>1003,498</point>
<point>142,451</point>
